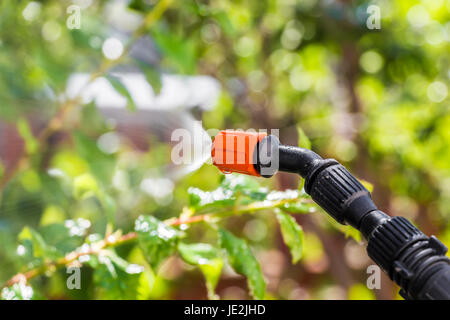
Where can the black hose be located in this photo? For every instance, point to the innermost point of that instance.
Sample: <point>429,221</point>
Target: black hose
<point>417,263</point>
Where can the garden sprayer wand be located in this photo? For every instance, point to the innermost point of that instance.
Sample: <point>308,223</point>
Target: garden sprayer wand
<point>417,263</point>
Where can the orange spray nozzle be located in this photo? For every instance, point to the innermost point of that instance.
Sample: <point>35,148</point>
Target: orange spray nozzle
<point>234,151</point>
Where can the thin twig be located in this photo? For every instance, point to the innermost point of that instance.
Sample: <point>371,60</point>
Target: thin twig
<point>94,249</point>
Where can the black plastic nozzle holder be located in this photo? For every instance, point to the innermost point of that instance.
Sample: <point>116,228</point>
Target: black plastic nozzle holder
<point>417,263</point>
<point>339,193</point>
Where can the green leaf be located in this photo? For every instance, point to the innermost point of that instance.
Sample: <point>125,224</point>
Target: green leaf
<point>292,235</point>
<point>242,260</point>
<point>195,197</point>
<point>146,284</point>
<point>366,184</point>
<point>360,292</point>
<point>152,76</point>
<point>208,259</point>
<point>232,188</point>
<point>101,165</point>
<point>294,206</point>
<point>301,185</point>
<point>39,246</point>
<point>109,206</point>
<point>154,79</point>
<point>115,277</point>
<point>156,239</point>
<point>31,180</point>
<point>199,199</point>
<point>52,214</point>
<point>85,186</point>
<point>122,90</point>
<point>177,51</point>
<point>283,195</point>
<point>347,230</point>
<point>297,207</point>
<point>240,182</point>
<point>92,119</point>
<point>303,140</point>
<point>140,5</point>
<point>198,253</point>
<point>65,237</point>
<point>31,144</point>
<point>52,241</point>
<point>222,18</point>
<point>18,291</point>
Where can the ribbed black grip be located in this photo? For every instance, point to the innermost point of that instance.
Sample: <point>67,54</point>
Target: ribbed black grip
<point>417,263</point>
<point>389,238</point>
<point>338,192</point>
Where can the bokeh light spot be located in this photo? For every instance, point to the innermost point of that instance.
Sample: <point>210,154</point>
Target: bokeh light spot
<point>112,48</point>
<point>371,61</point>
<point>437,91</point>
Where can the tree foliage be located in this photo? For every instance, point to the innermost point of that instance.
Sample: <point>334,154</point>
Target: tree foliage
<point>376,100</point>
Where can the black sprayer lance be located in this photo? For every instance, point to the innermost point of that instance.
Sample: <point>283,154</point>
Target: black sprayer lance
<point>416,262</point>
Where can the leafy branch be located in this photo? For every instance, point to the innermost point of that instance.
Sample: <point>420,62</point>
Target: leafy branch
<point>71,257</point>
<point>159,239</point>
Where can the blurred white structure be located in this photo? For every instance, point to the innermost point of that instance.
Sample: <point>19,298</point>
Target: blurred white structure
<point>157,115</point>
<point>177,92</point>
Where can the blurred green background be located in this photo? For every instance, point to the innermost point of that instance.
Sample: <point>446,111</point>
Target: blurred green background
<point>375,99</point>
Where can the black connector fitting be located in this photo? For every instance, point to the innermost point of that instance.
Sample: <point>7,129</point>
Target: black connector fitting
<point>417,263</point>
<point>339,193</point>
<point>328,182</point>
<point>411,259</point>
